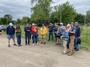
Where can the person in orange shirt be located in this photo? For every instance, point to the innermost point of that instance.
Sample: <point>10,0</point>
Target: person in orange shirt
<point>43,32</point>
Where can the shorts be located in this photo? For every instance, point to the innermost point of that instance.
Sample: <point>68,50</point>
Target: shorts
<point>10,37</point>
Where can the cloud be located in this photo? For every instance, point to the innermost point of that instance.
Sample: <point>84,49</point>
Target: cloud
<point>20,8</point>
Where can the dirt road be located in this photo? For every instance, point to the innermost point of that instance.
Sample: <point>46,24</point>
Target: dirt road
<point>40,56</point>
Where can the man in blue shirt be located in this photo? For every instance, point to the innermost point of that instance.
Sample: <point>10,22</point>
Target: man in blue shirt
<point>50,29</point>
<point>10,31</point>
<point>77,36</point>
<point>27,31</point>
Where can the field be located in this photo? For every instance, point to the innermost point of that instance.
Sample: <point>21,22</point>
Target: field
<point>85,38</point>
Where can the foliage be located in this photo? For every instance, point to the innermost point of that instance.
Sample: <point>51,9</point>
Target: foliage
<point>88,16</point>
<point>79,18</point>
<point>41,10</point>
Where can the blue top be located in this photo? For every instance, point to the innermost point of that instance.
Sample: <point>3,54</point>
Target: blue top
<point>77,31</point>
<point>55,30</point>
<point>72,30</point>
<point>62,29</point>
<point>65,35</point>
<point>10,30</point>
<point>26,30</point>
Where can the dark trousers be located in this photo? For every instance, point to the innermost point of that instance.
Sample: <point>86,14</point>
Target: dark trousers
<point>34,38</point>
<point>76,45</point>
<point>50,36</point>
<point>27,38</point>
<point>19,39</point>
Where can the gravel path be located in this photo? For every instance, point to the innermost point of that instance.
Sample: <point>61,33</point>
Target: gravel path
<point>40,56</point>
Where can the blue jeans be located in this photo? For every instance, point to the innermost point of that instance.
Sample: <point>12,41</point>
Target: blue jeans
<point>76,45</point>
<point>19,39</point>
<point>27,38</point>
<point>50,36</point>
<point>34,38</point>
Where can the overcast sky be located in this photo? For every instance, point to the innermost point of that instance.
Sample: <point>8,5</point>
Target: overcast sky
<point>20,8</point>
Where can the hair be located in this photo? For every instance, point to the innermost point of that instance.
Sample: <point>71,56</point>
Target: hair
<point>18,27</point>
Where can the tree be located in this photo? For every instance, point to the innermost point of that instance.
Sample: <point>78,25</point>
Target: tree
<point>88,16</point>
<point>79,18</point>
<point>18,21</point>
<point>41,10</point>
<point>8,17</point>
<point>3,21</point>
<point>64,13</point>
<point>24,20</point>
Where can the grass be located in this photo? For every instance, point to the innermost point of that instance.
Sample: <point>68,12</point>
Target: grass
<point>85,37</point>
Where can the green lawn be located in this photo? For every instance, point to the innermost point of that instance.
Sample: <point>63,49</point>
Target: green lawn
<point>85,38</point>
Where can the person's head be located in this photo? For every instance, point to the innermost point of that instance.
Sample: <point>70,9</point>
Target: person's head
<point>33,24</point>
<point>27,24</point>
<point>43,25</point>
<point>68,25</point>
<point>51,24</point>
<point>10,24</point>
<point>76,24</point>
<point>61,24</point>
<point>72,23</point>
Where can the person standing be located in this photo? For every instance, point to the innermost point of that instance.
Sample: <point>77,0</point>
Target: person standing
<point>65,37</point>
<point>50,29</point>
<point>71,42</point>
<point>18,34</point>
<point>34,31</point>
<point>10,31</point>
<point>55,29</point>
<point>43,32</point>
<point>77,36</point>
<point>58,34</point>
<point>27,34</point>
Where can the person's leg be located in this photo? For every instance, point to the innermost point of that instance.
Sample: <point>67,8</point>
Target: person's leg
<point>33,39</point>
<point>71,46</point>
<point>13,38</point>
<point>28,39</point>
<point>36,38</point>
<point>42,39</point>
<point>49,36</point>
<point>8,37</point>
<point>25,39</point>
<point>76,46</point>
<point>19,40</point>
<point>52,35</point>
<point>65,48</point>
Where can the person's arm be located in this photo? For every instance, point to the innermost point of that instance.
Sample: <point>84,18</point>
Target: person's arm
<point>7,30</point>
<point>13,30</point>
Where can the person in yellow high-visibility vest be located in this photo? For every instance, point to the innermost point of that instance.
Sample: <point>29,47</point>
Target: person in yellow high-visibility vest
<point>43,32</point>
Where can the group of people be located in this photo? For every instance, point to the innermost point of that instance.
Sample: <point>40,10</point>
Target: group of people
<point>68,36</point>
